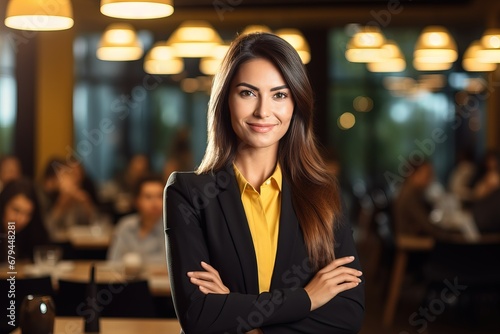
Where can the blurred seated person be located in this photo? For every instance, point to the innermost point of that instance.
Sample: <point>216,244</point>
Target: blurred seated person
<point>412,208</point>
<point>10,169</point>
<point>70,198</point>
<point>119,191</point>
<point>461,178</point>
<point>180,157</point>
<point>486,207</point>
<point>142,232</point>
<point>20,205</point>
<point>489,178</point>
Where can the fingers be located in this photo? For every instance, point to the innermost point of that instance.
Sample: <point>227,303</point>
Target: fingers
<point>208,281</point>
<point>337,263</point>
<point>209,268</point>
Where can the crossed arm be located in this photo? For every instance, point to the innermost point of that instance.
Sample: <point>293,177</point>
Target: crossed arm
<point>326,284</point>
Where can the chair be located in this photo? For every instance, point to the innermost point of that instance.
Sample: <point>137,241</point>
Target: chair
<point>23,287</point>
<point>405,244</point>
<point>118,299</point>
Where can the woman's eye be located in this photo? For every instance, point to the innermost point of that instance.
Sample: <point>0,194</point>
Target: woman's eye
<point>246,93</point>
<point>280,95</point>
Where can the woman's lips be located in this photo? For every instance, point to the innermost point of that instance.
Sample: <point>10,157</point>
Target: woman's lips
<point>261,128</point>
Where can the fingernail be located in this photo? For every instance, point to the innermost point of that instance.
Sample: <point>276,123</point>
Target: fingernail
<point>351,257</point>
<point>360,272</point>
<point>190,273</point>
<point>359,280</point>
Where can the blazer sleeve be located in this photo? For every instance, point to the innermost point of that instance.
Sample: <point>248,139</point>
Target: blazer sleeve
<point>214,313</point>
<point>345,312</point>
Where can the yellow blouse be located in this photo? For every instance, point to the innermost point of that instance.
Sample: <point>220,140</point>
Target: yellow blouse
<point>263,209</point>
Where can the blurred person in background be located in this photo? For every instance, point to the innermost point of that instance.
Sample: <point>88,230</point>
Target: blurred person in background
<point>19,203</point>
<point>486,207</point>
<point>412,207</point>
<point>461,178</point>
<point>10,169</point>
<point>69,198</point>
<point>488,179</point>
<point>119,192</point>
<point>180,157</point>
<point>142,232</point>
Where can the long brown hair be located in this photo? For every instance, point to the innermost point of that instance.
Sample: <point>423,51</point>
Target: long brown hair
<point>315,193</point>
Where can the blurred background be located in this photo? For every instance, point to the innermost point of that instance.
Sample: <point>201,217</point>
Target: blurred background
<point>383,109</point>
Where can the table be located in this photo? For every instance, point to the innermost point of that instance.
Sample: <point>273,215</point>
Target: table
<point>90,237</point>
<point>156,274</point>
<point>74,325</point>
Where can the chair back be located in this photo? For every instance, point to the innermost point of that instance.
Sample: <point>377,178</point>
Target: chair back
<point>114,299</point>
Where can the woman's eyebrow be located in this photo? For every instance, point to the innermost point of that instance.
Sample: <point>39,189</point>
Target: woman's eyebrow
<point>257,89</point>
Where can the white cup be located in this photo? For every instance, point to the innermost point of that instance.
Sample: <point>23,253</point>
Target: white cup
<point>132,265</point>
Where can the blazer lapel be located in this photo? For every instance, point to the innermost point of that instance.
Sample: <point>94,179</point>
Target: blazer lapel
<point>289,233</point>
<point>232,207</point>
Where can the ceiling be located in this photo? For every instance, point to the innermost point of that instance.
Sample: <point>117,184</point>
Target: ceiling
<point>235,14</point>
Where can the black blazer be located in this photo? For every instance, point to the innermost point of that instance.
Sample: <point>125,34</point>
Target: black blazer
<point>205,221</point>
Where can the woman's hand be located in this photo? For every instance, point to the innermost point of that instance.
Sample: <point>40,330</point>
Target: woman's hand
<point>331,280</point>
<point>208,281</point>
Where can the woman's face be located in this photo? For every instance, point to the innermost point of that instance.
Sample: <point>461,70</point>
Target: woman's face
<point>260,104</point>
<point>19,210</point>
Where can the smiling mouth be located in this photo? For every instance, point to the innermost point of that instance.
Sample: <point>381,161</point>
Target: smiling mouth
<point>261,128</point>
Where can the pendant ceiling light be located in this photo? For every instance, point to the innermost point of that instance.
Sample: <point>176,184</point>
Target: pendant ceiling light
<point>137,9</point>
<point>366,46</point>
<point>161,59</point>
<point>210,65</point>
<point>471,61</point>
<point>395,61</point>
<point>119,43</point>
<point>490,47</point>
<point>435,45</point>
<point>194,39</point>
<point>39,15</point>
<point>298,41</point>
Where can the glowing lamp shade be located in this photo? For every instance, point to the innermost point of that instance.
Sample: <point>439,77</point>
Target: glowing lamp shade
<point>394,61</point>
<point>137,9</point>
<point>366,46</point>
<point>435,45</point>
<point>161,59</point>
<point>39,15</point>
<point>390,65</point>
<point>194,39</point>
<point>210,65</point>
<point>368,37</point>
<point>298,41</point>
<point>471,62</point>
<point>490,47</point>
<point>119,43</point>
<point>426,66</point>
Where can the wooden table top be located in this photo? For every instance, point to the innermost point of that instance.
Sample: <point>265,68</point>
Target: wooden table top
<point>106,272</point>
<point>74,325</point>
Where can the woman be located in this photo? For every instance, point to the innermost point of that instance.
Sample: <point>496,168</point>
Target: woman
<point>20,212</point>
<point>255,242</point>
